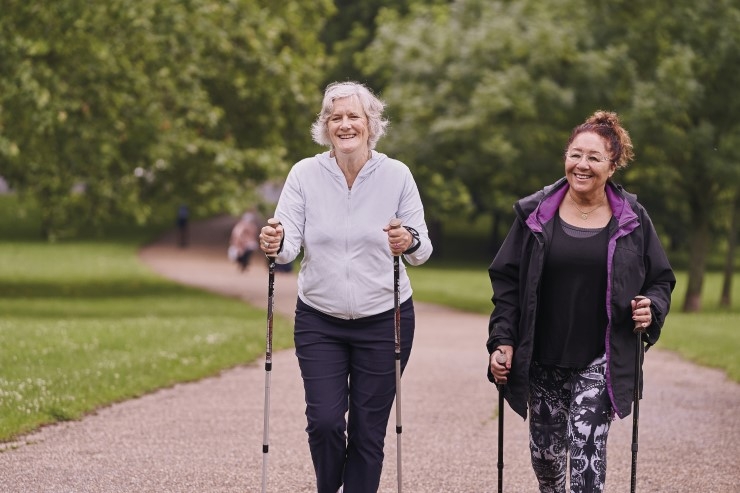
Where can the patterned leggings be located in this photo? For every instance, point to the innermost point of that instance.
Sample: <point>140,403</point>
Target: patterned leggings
<point>570,412</point>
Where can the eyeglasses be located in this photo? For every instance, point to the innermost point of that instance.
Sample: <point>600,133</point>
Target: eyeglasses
<point>576,156</point>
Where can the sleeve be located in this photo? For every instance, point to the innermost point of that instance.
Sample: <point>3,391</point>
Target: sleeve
<point>291,212</point>
<point>659,279</point>
<point>411,213</point>
<point>504,273</point>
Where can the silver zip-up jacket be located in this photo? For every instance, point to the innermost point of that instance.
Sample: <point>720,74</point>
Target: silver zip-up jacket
<point>347,266</point>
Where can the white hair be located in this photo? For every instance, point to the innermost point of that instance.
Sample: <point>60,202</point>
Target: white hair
<point>371,105</point>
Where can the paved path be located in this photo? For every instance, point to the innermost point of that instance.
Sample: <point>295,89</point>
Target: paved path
<point>207,436</point>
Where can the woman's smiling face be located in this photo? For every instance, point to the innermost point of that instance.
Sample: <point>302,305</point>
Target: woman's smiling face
<point>347,126</point>
<point>588,165</point>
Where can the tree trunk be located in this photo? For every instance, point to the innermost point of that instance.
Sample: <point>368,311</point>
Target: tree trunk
<point>729,269</point>
<point>699,245</point>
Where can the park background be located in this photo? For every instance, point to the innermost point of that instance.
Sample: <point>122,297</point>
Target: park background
<point>113,113</point>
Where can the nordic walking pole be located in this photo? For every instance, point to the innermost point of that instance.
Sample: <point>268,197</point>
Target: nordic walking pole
<point>639,349</point>
<point>501,360</point>
<point>396,223</point>
<point>268,360</point>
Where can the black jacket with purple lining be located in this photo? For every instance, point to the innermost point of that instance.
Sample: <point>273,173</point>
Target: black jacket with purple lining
<point>636,265</point>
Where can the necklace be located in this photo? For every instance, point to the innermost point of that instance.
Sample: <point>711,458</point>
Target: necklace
<point>584,214</point>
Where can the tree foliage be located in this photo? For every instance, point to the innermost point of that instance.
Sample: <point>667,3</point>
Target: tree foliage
<point>116,107</point>
<point>352,28</point>
<point>484,93</point>
<point>687,59</point>
<point>109,108</point>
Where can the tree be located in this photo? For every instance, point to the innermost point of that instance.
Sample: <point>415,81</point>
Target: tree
<point>351,29</point>
<point>483,95</point>
<point>687,58</point>
<point>112,108</point>
<point>729,270</point>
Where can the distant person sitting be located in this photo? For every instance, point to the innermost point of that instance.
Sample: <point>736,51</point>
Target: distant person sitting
<point>243,241</point>
<point>182,225</point>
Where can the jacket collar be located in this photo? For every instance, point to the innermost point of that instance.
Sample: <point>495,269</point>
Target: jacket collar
<point>540,207</point>
<point>330,164</point>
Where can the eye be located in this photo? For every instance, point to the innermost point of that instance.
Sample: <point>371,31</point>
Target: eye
<point>574,156</point>
<point>594,160</point>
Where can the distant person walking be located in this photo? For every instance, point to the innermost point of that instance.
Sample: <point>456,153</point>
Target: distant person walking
<point>243,241</point>
<point>337,207</point>
<point>183,217</point>
<point>581,269</point>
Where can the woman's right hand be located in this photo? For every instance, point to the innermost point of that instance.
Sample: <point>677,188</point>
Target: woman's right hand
<point>500,370</point>
<point>271,236</point>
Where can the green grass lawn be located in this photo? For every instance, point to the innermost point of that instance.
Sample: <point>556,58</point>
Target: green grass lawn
<point>84,324</point>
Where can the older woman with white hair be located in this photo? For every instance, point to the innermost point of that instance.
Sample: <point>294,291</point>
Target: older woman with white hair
<point>337,207</point>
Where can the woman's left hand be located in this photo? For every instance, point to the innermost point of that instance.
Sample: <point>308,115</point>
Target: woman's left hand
<point>399,239</point>
<point>641,313</point>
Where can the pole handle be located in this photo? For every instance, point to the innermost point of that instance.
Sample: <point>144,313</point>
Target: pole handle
<point>274,223</point>
<point>394,223</point>
<point>638,326</point>
<point>501,358</point>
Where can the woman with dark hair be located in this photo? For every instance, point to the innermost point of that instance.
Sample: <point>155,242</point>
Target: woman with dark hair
<point>581,269</point>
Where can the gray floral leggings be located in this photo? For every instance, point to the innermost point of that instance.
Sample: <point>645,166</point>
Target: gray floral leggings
<point>570,413</point>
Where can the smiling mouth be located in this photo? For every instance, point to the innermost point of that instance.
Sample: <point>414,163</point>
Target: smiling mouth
<point>582,177</point>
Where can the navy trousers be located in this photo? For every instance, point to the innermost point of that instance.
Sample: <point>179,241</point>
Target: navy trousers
<point>348,368</point>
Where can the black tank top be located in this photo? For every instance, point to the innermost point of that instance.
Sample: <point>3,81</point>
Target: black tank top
<point>571,322</point>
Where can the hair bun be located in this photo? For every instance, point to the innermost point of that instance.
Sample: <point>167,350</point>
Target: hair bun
<point>607,125</point>
<point>606,118</point>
